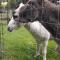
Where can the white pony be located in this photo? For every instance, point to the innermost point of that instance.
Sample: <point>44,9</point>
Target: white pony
<point>41,34</point>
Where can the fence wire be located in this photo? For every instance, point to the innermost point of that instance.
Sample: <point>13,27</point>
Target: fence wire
<point>4,18</point>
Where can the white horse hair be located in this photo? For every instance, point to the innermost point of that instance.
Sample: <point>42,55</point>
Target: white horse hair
<point>58,2</point>
<point>41,34</point>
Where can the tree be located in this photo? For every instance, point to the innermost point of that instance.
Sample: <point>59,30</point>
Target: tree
<point>15,3</point>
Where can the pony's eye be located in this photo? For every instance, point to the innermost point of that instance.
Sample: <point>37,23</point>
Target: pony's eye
<point>15,16</point>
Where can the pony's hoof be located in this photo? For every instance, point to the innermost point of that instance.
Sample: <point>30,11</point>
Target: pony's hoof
<point>37,57</point>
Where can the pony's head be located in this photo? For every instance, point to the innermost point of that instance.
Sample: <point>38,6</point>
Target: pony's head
<point>23,14</point>
<point>14,22</point>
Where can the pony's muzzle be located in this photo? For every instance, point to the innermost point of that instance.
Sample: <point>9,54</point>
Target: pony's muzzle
<point>10,29</point>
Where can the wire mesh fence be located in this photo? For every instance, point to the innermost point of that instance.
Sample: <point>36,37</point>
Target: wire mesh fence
<point>10,46</point>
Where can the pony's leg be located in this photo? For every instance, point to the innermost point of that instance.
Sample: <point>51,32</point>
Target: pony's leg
<point>44,49</point>
<point>38,51</point>
<point>58,51</point>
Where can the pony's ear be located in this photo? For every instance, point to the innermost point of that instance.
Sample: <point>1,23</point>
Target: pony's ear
<point>24,8</point>
<point>29,2</point>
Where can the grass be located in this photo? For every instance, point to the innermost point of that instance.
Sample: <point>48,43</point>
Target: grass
<point>20,45</point>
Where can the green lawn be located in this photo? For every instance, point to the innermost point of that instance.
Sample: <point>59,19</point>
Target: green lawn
<point>20,45</point>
